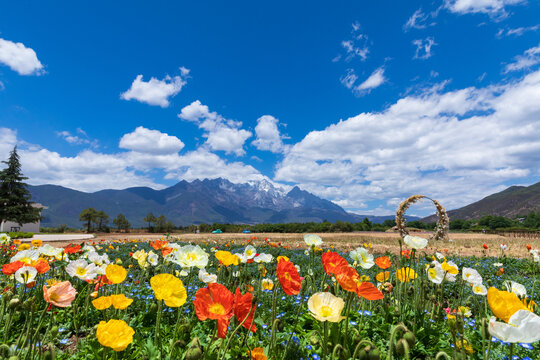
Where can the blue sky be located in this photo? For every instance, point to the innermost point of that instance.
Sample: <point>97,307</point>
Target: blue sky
<point>363,103</point>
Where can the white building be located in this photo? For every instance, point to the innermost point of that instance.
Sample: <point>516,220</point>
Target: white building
<point>7,226</point>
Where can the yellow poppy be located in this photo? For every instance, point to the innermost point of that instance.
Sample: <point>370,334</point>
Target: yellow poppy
<point>279,258</point>
<point>504,304</point>
<point>116,334</point>
<point>36,243</point>
<point>383,276</point>
<point>115,273</point>
<point>226,258</point>
<point>406,274</point>
<point>169,288</point>
<point>120,301</point>
<point>102,302</point>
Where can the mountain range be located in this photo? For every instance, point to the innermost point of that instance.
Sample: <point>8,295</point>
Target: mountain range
<point>512,202</point>
<point>199,201</point>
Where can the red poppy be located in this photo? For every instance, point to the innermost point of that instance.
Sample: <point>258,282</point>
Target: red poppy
<point>332,261</point>
<point>243,307</point>
<point>288,277</point>
<point>406,253</point>
<point>485,246</point>
<point>347,277</point>
<point>215,302</point>
<point>72,249</point>
<point>383,262</point>
<point>11,268</point>
<point>369,291</point>
<point>529,247</point>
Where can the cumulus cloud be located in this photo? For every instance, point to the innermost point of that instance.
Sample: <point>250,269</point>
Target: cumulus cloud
<point>156,92</point>
<point>423,48</point>
<point>19,58</point>
<point>92,171</point>
<point>529,59</point>
<point>494,8</point>
<point>456,146</point>
<point>220,133</point>
<point>150,141</point>
<point>268,136</point>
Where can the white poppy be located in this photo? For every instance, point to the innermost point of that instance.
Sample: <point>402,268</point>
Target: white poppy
<point>26,274</point>
<point>415,242</point>
<point>265,258</point>
<point>81,269</point>
<point>362,257</point>
<point>152,258</point>
<point>435,272</point>
<point>479,289</point>
<point>191,256</point>
<point>523,327</point>
<point>206,277</point>
<point>471,276</point>
<point>312,240</point>
<point>26,256</point>
<point>516,288</point>
<point>4,239</point>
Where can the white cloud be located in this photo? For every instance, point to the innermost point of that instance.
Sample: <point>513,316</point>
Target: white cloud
<point>156,92</point>
<point>494,8</point>
<point>77,140</point>
<point>517,31</point>
<point>375,80</point>
<point>92,171</point>
<point>19,58</point>
<point>220,133</point>
<point>423,48</point>
<point>349,79</point>
<point>529,59</point>
<point>356,46</point>
<point>268,136</point>
<point>455,146</point>
<point>2,86</point>
<point>418,20</point>
<point>150,141</point>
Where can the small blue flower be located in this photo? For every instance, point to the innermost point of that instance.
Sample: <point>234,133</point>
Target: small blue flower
<point>316,357</point>
<point>526,346</point>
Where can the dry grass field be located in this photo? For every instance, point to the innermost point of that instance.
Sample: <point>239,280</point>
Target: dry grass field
<point>464,244</point>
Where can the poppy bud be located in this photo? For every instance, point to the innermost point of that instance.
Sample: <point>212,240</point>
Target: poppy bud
<point>400,346</point>
<point>194,352</point>
<point>410,338</point>
<point>374,354</point>
<point>13,303</point>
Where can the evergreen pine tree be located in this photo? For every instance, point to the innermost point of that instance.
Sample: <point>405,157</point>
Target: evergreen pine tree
<point>15,198</point>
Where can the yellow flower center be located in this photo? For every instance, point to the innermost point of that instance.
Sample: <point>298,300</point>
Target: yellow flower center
<point>217,309</point>
<point>287,276</point>
<point>326,311</point>
<point>81,271</point>
<point>191,256</point>
<point>432,273</point>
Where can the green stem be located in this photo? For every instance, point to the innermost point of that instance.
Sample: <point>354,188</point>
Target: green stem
<point>158,323</point>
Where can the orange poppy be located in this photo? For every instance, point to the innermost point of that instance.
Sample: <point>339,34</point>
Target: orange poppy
<point>72,249</point>
<point>288,277</point>
<point>215,302</point>
<point>257,354</point>
<point>383,262</point>
<point>166,251</point>
<point>158,244</point>
<point>369,291</point>
<point>242,307</point>
<point>332,261</point>
<point>11,268</point>
<point>347,277</point>
<point>42,266</point>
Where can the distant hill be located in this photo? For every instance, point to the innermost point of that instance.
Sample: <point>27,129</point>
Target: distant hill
<point>186,203</point>
<point>512,202</point>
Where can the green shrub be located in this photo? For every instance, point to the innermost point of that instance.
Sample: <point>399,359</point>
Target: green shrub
<point>20,235</point>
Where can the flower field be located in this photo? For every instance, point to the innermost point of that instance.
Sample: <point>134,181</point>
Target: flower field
<point>260,299</point>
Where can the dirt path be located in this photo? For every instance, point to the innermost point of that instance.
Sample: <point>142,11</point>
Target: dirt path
<point>463,244</point>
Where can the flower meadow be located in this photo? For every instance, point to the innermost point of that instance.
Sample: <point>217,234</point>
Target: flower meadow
<point>259,300</point>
